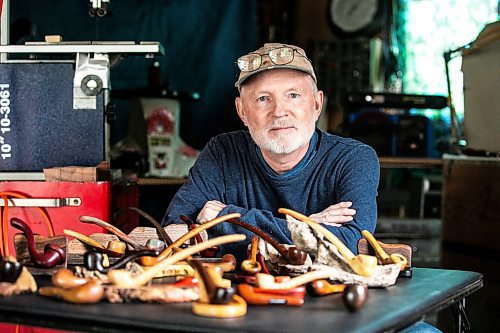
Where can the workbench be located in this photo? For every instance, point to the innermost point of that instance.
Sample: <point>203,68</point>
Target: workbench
<point>386,309</point>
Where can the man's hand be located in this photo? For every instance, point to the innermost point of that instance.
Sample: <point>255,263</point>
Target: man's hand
<point>335,214</point>
<point>210,211</point>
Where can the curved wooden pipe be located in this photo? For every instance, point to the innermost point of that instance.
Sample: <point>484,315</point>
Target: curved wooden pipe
<point>209,253</point>
<point>161,232</point>
<point>251,266</point>
<point>10,270</point>
<point>124,279</point>
<point>226,264</point>
<point>292,255</point>
<point>64,278</point>
<point>267,281</point>
<point>92,243</point>
<point>259,296</point>
<point>94,260</point>
<point>114,230</point>
<point>270,282</point>
<point>88,293</point>
<point>117,246</point>
<point>236,308</point>
<point>361,264</point>
<point>150,261</point>
<point>52,255</point>
<point>212,289</point>
<point>395,258</point>
<point>322,287</point>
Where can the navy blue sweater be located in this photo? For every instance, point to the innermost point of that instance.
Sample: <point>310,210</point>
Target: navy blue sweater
<point>230,170</point>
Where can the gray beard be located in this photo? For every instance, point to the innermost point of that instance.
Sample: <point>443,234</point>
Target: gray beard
<point>282,144</point>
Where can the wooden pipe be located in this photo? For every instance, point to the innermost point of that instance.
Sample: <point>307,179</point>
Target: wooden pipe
<point>209,253</point>
<point>211,289</point>
<point>159,229</point>
<point>361,264</point>
<point>64,278</point>
<point>117,246</point>
<point>88,293</point>
<point>354,296</point>
<point>92,243</point>
<point>394,258</point>
<point>94,260</point>
<point>267,281</point>
<point>236,308</point>
<point>251,266</point>
<point>123,279</point>
<point>10,270</point>
<point>259,296</point>
<point>150,261</point>
<point>292,255</point>
<point>322,287</point>
<point>52,254</point>
<point>114,230</point>
<point>226,264</point>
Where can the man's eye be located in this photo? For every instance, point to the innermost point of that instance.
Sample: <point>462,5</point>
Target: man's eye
<point>294,95</point>
<point>262,99</point>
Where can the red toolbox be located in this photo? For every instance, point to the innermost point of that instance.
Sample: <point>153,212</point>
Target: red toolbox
<point>62,203</point>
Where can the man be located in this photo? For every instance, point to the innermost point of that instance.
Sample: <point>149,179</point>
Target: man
<point>283,160</point>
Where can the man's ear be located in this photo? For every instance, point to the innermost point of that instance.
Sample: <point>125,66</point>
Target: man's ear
<point>318,104</point>
<point>238,102</point>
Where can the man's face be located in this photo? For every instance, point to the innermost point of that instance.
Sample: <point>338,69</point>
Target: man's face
<point>280,108</point>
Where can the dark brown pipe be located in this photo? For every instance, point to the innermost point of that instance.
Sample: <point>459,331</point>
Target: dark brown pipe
<point>354,296</point>
<point>208,253</point>
<point>93,260</point>
<point>161,232</point>
<point>9,270</point>
<point>292,255</point>
<point>52,255</point>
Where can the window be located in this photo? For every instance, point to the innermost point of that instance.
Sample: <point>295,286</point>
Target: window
<point>432,28</point>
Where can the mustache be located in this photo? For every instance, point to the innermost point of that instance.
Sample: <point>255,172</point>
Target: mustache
<point>281,123</point>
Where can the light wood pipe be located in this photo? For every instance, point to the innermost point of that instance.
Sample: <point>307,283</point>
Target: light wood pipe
<point>361,264</point>
<point>395,258</point>
<point>64,278</point>
<point>92,243</point>
<point>124,279</point>
<point>226,264</point>
<point>267,281</point>
<point>150,261</point>
<point>114,230</point>
<point>236,308</point>
<point>88,293</point>
<point>251,266</point>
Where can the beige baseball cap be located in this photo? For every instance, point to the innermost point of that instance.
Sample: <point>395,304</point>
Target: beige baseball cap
<point>273,56</point>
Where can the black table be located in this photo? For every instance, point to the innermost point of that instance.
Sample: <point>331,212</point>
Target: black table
<point>386,309</point>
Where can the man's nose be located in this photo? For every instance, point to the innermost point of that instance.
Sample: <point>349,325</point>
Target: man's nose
<point>280,108</point>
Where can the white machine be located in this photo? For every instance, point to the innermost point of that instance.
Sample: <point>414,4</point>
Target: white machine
<point>54,110</point>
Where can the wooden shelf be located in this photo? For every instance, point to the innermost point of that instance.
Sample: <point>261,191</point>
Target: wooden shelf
<point>410,162</point>
<point>160,181</point>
